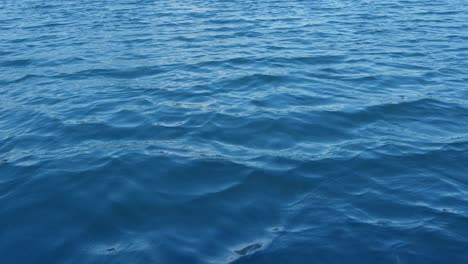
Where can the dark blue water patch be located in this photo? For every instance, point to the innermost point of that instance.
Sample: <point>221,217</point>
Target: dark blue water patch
<point>141,131</point>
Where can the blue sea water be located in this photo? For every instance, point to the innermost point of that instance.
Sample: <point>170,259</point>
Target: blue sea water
<point>205,131</point>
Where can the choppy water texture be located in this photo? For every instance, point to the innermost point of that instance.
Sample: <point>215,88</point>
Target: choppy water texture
<point>205,131</point>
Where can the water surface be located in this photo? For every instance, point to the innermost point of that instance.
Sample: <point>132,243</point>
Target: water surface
<point>205,131</point>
